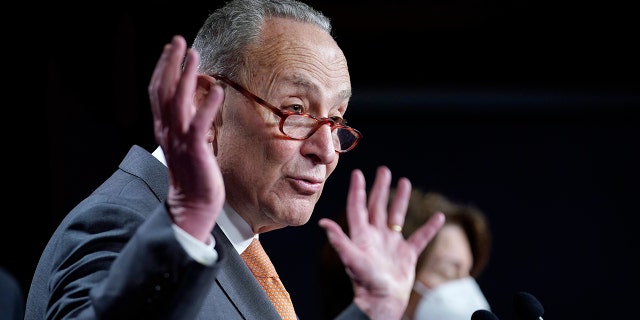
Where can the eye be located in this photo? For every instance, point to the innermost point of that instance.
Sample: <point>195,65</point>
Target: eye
<point>339,120</point>
<point>295,108</point>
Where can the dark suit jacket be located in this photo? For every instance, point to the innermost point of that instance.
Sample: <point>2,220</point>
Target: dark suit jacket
<point>11,296</point>
<point>115,256</point>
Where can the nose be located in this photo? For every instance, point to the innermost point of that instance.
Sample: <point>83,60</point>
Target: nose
<point>320,145</point>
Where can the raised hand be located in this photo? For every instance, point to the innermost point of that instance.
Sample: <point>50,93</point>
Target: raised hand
<point>379,260</point>
<point>182,122</point>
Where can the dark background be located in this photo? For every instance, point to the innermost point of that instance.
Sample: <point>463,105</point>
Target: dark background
<point>522,108</point>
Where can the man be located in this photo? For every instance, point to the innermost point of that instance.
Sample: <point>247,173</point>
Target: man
<point>250,125</point>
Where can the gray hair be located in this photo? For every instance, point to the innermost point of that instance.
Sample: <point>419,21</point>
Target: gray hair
<point>222,39</point>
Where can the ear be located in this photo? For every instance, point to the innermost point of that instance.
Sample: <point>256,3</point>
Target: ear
<point>203,85</point>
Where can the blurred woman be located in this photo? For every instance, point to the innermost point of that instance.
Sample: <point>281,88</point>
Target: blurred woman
<point>445,287</point>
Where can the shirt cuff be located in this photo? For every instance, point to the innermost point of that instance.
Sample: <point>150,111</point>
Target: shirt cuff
<point>203,253</point>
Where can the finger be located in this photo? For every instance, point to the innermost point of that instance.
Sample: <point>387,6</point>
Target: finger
<point>336,237</point>
<point>357,216</point>
<point>162,85</point>
<point>398,208</point>
<point>335,234</point>
<point>206,113</point>
<point>379,197</point>
<point>185,107</point>
<point>421,237</point>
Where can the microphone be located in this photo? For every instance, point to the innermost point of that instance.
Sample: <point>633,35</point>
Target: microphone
<point>483,315</point>
<point>527,306</point>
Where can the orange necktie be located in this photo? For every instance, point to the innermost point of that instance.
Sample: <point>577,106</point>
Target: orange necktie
<point>263,270</point>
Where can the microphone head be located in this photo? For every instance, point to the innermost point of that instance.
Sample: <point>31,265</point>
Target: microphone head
<point>483,315</point>
<point>527,306</point>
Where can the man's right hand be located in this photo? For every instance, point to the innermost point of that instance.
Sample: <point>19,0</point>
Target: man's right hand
<point>182,127</point>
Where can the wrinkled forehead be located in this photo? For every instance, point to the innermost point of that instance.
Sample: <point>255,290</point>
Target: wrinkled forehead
<point>299,52</point>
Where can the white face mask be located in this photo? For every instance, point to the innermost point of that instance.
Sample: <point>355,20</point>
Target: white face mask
<point>452,300</point>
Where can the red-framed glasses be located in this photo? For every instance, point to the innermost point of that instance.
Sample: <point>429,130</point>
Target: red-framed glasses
<point>300,125</point>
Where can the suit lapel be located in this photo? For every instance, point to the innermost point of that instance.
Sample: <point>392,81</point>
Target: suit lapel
<point>142,164</point>
<point>234,278</point>
<point>238,283</point>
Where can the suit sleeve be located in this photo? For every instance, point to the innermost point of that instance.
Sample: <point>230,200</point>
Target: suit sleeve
<point>352,312</point>
<point>122,265</point>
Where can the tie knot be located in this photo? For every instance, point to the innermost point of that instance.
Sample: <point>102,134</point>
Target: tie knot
<point>258,261</point>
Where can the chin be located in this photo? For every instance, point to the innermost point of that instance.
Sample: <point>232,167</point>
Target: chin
<point>298,216</point>
<point>296,211</point>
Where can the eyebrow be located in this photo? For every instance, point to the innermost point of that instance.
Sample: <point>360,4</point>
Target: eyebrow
<point>301,81</point>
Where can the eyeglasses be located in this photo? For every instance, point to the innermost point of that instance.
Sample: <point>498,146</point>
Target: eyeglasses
<point>300,125</point>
